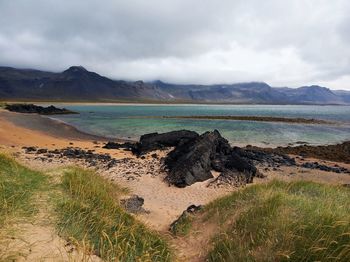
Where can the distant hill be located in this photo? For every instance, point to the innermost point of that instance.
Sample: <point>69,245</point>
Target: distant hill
<point>78,84</point>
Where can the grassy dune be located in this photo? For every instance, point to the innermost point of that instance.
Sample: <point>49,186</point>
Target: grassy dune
<point>18,184</point>
<point>91,214</point>
<point>87,212</point>
<point>298,221</point>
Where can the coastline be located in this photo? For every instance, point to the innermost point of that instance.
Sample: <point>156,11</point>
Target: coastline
<point>142,176</point>
<point>50,126</point>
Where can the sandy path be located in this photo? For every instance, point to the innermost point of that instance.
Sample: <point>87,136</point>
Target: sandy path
<point>165,202</point>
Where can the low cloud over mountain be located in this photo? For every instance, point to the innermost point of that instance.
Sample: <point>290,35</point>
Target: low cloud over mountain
<point>78,84</point>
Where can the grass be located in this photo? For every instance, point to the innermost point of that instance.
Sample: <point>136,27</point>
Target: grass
<point>90,214</point>
<point>279,221</point>
<point>18,184</point>
<point>87,209</point>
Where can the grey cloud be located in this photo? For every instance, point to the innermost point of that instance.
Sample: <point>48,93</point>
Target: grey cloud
<point>292,42</point>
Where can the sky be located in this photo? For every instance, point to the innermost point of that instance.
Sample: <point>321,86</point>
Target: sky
<point>284,43</point>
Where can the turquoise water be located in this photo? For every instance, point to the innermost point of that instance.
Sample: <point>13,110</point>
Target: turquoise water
<point>128,122</point>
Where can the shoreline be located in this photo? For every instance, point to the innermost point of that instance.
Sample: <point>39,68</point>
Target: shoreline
<point>144,176</point>
<point>51,126</point>
<point>58,128</point>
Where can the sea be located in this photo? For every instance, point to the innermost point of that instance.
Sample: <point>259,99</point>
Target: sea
<point>130,121</point>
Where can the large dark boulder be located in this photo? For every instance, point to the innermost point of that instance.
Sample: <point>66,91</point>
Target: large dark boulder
<point>191,162</point>
<point>194,160</point>
<point>155,141</point>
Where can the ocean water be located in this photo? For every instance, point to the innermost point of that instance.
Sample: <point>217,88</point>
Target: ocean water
<point>129,122</point>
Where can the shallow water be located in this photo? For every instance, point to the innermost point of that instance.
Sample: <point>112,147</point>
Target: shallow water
<point>128,122</point>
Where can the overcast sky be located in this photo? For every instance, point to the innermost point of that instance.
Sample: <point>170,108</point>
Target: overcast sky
<point>281,42</point>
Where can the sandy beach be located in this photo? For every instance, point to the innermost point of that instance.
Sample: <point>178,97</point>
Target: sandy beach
<point>143,176</point>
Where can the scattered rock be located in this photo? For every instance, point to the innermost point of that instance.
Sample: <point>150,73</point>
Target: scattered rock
<point>30,149</point>
<point>133,204</point>
<point>41,151</point>
<point>154,155</point>
<point>316,165</point>
<point>113,145</point>
<point>88,156</point>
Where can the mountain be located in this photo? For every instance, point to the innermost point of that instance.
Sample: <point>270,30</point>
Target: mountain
<point>78,84</point>
<point>73,84</point>
<point>344,94</point>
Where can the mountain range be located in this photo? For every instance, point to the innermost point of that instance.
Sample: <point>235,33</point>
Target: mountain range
<point>78,84</point>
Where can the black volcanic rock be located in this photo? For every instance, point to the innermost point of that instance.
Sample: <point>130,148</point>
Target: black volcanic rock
<point>191,162</point>
<point>34,109</point>
<point>112,145</point>
<point>134,204</point>
<point>154,141</point>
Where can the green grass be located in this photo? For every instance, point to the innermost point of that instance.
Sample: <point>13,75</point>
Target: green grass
<point>91,215</point>
<point>298,221</point>
<point>17,187</point>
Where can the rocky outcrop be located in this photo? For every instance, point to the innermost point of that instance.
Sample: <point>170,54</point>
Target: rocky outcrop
<point>190,162</point>
<point>34,109</point>
<point>155,141</point>
<point>193,161</point>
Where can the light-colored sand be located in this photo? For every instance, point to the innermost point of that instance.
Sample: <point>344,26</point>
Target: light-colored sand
<point>15,136</point>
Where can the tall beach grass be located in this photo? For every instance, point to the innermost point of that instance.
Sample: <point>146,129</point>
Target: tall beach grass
<point>17,187</point>
<point>90,214</point>
<point>297,221</point>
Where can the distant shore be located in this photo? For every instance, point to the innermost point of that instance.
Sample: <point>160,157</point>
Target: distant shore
<point>156,102</point>
<point>255,118</point>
